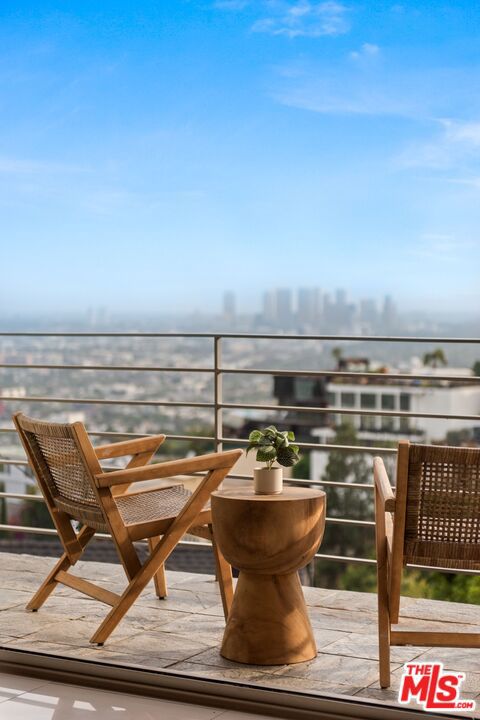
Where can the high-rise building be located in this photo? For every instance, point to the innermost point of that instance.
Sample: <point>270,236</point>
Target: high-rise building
<point>269,308</point>
<point>229,305</point>
<point>368,311</point>
<point>309,305</point>
<point>389,312</point>
<point>306,306</point>
<point>284,307</point>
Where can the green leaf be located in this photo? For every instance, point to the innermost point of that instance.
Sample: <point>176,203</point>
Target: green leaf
<point>295,448</point>
<point>267,453</point>
<point>270,430</point>
<point>291,435</point>
<point>255,436</point>
<point>287,457</point>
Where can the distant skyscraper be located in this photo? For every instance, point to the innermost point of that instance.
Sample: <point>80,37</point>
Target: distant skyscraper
<point>340,298</point>
<point>368,311</point>
<point>307,306</point>
<point>269,309</point>
<point>229,305</point>
<point>389,312</point>
<point>284,307</point>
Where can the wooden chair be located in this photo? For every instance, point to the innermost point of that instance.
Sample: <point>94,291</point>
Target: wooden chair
<point>433,519</point>
<point>75,487</point>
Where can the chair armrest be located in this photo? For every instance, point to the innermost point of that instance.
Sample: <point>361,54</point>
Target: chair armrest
<point>382,484</point>
<point>212,461</point>
<point>129,447</point>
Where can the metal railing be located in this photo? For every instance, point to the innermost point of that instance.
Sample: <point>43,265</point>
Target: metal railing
<point>218,405</point>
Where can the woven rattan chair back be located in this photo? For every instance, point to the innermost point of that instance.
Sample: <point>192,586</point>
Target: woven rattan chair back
<point>432,519</point>
<point>61,469</point>
<point>442,519</point>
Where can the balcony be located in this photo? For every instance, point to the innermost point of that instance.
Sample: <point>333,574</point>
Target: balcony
<point>182,633</point>
<point>179,637</point>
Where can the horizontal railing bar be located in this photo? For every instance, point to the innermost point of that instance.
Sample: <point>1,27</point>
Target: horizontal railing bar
<point>345,374</point>
<point>345,559</point>
<point>250,371</point>
<point>241,406</point>
<point>97,536</point>
<point>325,446</point>
<point>334,521</point>
<point>347,411</point>
<point>7,461</point>
<point>319,556</point>
<point>246,336</point>
<point>369,561</point>
<point>299,481</point>
<point>22,496</point>
<point>95,401</point>
<point>105,433</point>
<point>349,521</point>
<point>288,481</point>
<point>115,368</point>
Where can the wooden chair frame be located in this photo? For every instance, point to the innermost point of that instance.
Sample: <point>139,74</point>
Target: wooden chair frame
<point>390,520</point>
<point>162,535</point>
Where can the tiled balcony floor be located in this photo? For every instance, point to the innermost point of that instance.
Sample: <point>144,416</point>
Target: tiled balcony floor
<point>183,633</point>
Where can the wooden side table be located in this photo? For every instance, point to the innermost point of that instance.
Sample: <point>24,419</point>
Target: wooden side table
<point>268,538</point>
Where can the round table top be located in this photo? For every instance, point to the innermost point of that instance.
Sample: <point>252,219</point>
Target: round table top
<point>288,494</point>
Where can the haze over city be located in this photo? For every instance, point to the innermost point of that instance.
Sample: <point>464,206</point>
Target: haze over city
<point>155,154</point>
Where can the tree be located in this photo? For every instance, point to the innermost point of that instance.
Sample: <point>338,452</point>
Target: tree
<point>435,358</point>
<point>476,368</point>
<point>342,503</point>
<point>337,354</point>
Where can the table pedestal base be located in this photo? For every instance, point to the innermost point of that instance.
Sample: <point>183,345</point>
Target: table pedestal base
<point>268,623</point>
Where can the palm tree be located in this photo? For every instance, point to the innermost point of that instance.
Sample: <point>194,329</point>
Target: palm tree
<point>435,358</point>
<point>337,354</point>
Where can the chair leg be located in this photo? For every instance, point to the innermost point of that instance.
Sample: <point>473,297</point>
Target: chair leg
<point>131,593</point>
<point>224,577</point>
<point>159,578</point>
<point>384,643</point>
<point>50,582</point>
<point>382,599</point>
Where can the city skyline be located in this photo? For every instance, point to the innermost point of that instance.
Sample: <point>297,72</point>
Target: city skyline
<point>296,308</point>
<point>153,154</point>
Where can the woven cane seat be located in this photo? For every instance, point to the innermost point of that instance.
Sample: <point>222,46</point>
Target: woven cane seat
<point>443,507</point>
<point>153,505</point>
<point>63,469</point>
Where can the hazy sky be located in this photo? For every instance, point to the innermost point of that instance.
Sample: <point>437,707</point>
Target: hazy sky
<point>153,154</point>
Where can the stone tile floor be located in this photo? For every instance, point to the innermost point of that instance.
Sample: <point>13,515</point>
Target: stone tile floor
<point>183,633</point>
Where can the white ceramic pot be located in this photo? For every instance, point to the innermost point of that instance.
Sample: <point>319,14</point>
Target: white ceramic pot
<point>268,482</point>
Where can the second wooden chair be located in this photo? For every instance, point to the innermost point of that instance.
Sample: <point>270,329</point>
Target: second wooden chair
<point>432,519</point>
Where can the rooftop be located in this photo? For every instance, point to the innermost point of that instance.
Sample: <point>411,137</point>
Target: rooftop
<point>182,634</point>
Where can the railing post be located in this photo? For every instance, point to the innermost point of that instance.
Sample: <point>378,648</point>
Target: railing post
<point>218,392</point>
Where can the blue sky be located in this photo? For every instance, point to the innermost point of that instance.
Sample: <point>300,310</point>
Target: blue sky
<point>153,154</point>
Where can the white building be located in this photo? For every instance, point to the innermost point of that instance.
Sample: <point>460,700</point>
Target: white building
<point>429,396</point>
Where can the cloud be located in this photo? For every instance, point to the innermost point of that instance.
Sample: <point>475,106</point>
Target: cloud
<point>346,91</point>
<point>455,144</point>
<point>466,133</point>
<point>304,19</point>
<point>441,246</point>
<point>368,50</point>
<point>231,4</point>
<point>18,166</point>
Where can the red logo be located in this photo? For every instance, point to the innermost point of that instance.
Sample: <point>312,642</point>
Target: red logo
<point>432,687</point>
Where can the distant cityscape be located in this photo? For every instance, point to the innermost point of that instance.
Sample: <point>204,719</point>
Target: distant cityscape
<point>313,310</point>
<point>296,310</point>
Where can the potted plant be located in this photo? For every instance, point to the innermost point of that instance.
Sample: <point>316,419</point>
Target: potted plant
<point>272,446</point>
